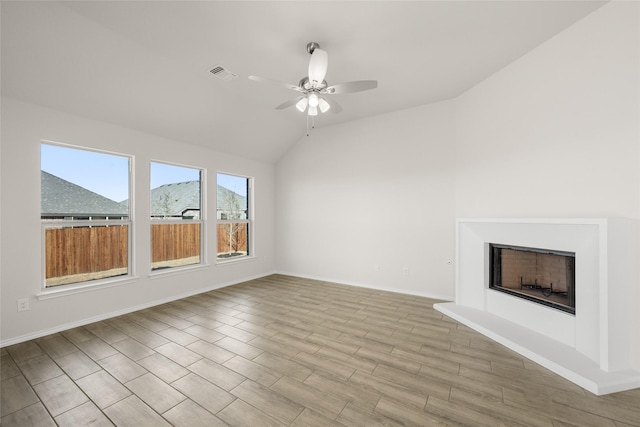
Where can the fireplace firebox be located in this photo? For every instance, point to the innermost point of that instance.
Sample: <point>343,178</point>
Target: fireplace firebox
<point>543,276</point>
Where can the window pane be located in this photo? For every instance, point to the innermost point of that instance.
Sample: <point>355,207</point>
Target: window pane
<point>80,184</point>
<point>175,192</point>
<point>79,187</point>
<point>80,254</point>
<point>233,239</point>
<point>175,195</point>
<point>232,197</point>
<point>233,216</point>
<point>175,245</point>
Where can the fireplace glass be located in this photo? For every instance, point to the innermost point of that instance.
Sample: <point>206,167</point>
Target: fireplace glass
<point>540,275</point>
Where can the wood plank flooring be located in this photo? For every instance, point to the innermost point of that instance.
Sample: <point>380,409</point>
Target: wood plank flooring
<point>286,351</point>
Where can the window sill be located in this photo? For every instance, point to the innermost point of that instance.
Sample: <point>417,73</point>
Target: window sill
<point>231,261</point>
<point>176,270</point>
<point>84,287</point>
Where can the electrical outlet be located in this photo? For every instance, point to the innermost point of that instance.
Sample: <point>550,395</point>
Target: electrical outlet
<point>376,268</point>
<point>405,271</point>
<point>23,304</point>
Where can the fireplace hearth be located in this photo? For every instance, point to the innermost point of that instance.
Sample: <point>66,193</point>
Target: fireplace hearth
<point>542,276</point>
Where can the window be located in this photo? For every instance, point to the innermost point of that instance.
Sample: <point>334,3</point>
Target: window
<point>85,214</point>
<point>233,216</point>
<point>176,216</point>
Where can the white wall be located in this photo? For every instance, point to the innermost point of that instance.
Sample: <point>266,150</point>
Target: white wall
<point>23,127</point>
<point>557,132</point>
<point>375,192</point>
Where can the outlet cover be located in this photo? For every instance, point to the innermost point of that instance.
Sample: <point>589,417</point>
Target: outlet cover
<point>23,304</point>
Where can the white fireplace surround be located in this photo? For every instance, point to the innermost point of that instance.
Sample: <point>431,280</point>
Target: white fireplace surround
<point>598,347</point>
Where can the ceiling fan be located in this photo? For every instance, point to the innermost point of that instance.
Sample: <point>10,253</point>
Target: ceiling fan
<point>314,89</point>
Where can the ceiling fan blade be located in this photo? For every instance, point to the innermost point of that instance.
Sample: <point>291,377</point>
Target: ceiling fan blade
<point>335,107</point>
<point>289,103</point>
<point>350,87</point>
<point>275,82</point>
<point>318,66</point>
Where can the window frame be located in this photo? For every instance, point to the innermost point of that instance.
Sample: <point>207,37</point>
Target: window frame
<point>201,221</point>
<point>249,220</point>
<point>82,286</point>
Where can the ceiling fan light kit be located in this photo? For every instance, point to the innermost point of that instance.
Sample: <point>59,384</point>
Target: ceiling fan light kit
<point>324,105</point>
<point>314,87</point>
<point>313,99</point>
<point>301,105</point>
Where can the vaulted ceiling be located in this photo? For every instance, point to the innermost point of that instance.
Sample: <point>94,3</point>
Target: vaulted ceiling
<point>145,64</point>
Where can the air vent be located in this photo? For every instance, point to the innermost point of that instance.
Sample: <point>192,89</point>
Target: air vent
<point>222,73</point>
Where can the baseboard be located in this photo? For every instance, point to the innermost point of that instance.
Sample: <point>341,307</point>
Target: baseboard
<point>66,326</point>
<point>369,286</point>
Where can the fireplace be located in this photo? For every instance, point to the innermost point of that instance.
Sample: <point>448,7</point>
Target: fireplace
<point>542,276</point>
<point>597,346</point>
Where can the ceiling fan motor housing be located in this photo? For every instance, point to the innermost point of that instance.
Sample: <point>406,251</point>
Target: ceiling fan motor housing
<point>306,85</point>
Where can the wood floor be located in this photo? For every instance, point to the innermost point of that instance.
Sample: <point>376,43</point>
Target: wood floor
<point>285,351</point>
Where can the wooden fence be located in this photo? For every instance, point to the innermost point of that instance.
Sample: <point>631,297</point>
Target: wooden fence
<point>232,238</point>
<point>80,250</point>
<point>174,241</point>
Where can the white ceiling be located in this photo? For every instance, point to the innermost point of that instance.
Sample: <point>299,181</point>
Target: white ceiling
<point>145,64</point>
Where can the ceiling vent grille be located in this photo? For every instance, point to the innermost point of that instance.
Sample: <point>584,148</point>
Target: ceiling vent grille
<point>222,73</point>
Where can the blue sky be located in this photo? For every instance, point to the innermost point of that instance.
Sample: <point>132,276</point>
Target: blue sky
<point>107,174</point>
